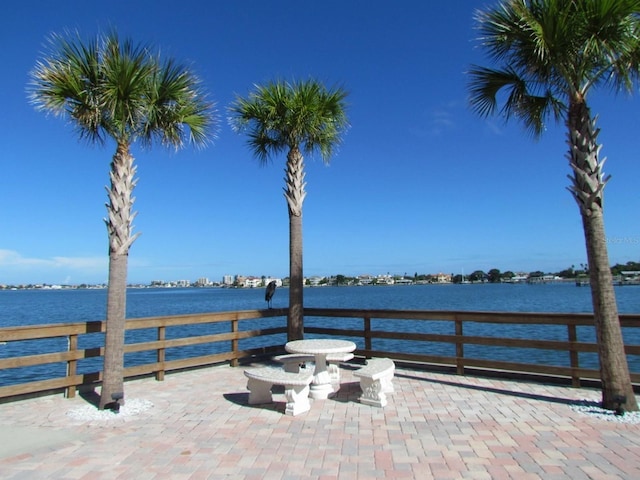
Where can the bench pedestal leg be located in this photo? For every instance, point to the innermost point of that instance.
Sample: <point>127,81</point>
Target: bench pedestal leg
<point>292,367</point>
<point>259,392</point>
<point>372,393</point>
<point>387,384</point>
<point>334,375</point>
<point>297,399</point>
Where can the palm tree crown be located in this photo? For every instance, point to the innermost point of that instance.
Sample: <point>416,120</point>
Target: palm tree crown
<point>112,88</point>
<point>554,52</point>
<point>281,115</point>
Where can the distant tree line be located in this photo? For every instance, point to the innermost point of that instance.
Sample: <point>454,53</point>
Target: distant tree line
<point>492,276</point>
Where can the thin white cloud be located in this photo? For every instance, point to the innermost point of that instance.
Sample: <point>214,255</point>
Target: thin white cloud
<point>80,262</point>
<point>11,258</point>
<point>17,268</point>
<point>494,128</point>
<point>442,119</point>
<point>438,121</point>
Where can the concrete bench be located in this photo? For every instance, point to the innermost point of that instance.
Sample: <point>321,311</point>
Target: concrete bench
<point>296,387</point>
<point>375,381</point>
<point>294,362</point>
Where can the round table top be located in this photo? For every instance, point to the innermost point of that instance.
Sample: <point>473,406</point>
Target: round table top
<point>320,346</point>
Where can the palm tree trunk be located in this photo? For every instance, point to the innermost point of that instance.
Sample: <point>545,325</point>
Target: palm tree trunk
<point>295,193</point>
<point>119,227</point>
<point>295,323</point>
<point>113,371</point>
<point>587,188</point>
<point>614,369</point>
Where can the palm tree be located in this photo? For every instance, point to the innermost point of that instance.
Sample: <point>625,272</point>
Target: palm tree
<point>117,90</point>
<point>293,117</point>
<point>552,54</point>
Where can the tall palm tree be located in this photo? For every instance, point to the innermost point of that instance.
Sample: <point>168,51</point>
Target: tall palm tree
<point>552,54</point>
<point>118,90</point>
<point>293,117</point>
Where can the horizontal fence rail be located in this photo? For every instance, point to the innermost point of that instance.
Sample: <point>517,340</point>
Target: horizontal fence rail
<point>214,337</point>
<point>566,341</point>
<point>465,341</point>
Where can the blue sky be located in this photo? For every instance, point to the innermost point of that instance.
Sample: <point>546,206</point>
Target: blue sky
<point>420,183</point>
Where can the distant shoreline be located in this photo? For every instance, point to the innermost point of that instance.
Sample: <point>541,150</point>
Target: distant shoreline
<point>52,288</point>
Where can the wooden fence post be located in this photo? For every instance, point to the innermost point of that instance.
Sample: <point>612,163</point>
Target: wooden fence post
<point>72,364</point>
<point>573,355</point>
<point>459,346</point>
<point>367,333</point>
<point>234,341</point>
<point>162,335</point>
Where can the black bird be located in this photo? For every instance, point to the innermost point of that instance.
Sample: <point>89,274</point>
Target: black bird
<point>271,289</point>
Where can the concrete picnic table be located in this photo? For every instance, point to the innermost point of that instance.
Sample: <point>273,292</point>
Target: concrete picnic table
<point>321,384</point>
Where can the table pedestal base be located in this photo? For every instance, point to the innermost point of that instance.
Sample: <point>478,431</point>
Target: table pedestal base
<point>321,391</point>
<point>321,387</point>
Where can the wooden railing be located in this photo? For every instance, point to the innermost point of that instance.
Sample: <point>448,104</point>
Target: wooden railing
<point>226,337</point>
<point>571,346</point>
<point>408,336</point>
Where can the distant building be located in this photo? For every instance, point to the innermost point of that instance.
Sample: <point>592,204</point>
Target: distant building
<point>544,279</point>
<point>314,281</point>
<point>630,277</point>
<point>631,274</point>
<point>520,277</point>
<point>442,278</point>
<point>252,282</point>
<point>385,280</point>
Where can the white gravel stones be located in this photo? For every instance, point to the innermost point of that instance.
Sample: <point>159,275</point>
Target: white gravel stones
<point>89,413</point>
<point>592,408</point>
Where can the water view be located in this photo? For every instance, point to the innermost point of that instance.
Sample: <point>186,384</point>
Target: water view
<point>33,307</point>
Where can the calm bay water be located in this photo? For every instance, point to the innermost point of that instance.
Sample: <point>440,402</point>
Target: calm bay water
<point>33,307</point>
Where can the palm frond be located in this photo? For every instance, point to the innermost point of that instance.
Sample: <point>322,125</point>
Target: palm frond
<point>114,88</point>
<point>519,97</point>
<point>282,115</point>
<point>549,52</point>
<point>67,82</point>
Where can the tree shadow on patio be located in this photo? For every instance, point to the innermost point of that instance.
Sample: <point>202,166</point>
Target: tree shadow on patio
<point>498,391</point>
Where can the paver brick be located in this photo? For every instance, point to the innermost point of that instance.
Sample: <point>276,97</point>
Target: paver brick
<point>434,426</point>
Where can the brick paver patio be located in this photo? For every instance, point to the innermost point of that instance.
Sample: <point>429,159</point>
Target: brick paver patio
<point>438,426</point>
